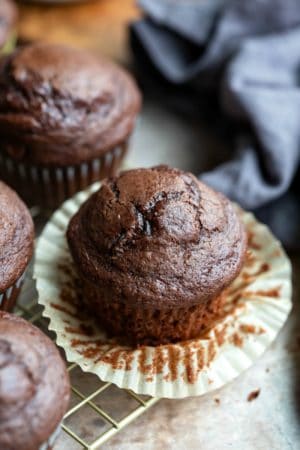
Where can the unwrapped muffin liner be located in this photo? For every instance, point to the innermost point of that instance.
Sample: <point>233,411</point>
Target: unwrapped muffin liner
<point>49,186</point>
<point>256,305</point>
<point>8,298</point>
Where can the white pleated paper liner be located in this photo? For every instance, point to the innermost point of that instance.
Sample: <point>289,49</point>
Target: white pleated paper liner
<point>257,305</point>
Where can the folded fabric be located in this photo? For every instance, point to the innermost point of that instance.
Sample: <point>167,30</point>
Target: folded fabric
<point>249,53</point>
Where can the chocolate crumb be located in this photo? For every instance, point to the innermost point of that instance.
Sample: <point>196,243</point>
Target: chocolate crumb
<point>237,340</point>
<point>251,243</point>
<point>253,395</point>
<point>251,329</point>
<point>217,400</point>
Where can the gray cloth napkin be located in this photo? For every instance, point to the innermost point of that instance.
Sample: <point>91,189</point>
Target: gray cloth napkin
<point>249,53</point>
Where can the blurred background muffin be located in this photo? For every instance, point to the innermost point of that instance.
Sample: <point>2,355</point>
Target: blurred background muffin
<point>34,386</point>
<point>16,244</point>
<point>155,248</point>
<point>66,117</point>
<point>8,25</point>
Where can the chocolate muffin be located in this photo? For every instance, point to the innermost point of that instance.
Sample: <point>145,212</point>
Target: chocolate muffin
<point>16,244</point>
<point>34,386</point>
<point>154,249</point>
<point>65,120</point>
<point>8,25</point>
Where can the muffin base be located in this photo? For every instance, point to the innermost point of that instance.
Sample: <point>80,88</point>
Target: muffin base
<point>48,187</point>
<point>151,326</point>
<point>9,297</point>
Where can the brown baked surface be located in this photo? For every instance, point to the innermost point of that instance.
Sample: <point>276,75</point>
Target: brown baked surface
<point>157,240</point>
<point>34,385</point>
<point>8,19</point>
<point>61,106</point>
<point>16,237</point>
<point>158,237</point>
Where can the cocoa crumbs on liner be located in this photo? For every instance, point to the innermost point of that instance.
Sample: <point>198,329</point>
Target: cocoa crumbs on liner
<point>264,267</point>
<point>236,340</point>
<point>250,259</point>
<point>273,292</point>
<point>200,359</point>
<point>220,335</point>
<point>276,253</point>
<point>212,351</point>
<point>159,360</point>
<point>144,366</point>
<point>253,395</point>
<point>251,243</point>
<point>191,370</point>
<point>251,329</point>
<point>173,360</point>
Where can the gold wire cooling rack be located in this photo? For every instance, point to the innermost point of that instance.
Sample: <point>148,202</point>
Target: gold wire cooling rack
<point>97,410</point>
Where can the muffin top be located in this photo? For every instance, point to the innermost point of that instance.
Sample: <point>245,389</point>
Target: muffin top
<point>8,18</point>
<point>16,237</point>
<point>159,237</point>
<point>60,105</point>
<point>34,385</point>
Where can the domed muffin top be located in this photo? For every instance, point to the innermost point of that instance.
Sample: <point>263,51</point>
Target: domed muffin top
<point>34,385</point>
<point>60,105</point>
<point>160,235</point>
<point>8,18</point>
<point>16,237</point>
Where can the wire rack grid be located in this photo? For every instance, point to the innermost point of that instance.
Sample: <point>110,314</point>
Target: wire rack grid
<point>97,410</point>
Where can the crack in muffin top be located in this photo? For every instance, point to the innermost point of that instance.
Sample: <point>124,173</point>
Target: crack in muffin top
<point>158,236</point>
<point>60,105</point>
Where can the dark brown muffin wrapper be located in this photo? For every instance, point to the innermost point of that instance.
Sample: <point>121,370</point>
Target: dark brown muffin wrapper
<point>48,187</point>
<point>9,297</point>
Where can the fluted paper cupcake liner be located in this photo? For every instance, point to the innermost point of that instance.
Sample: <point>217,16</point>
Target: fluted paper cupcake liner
<point>48,187</point>
<point>9,297</point>
<point>257,305</point>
